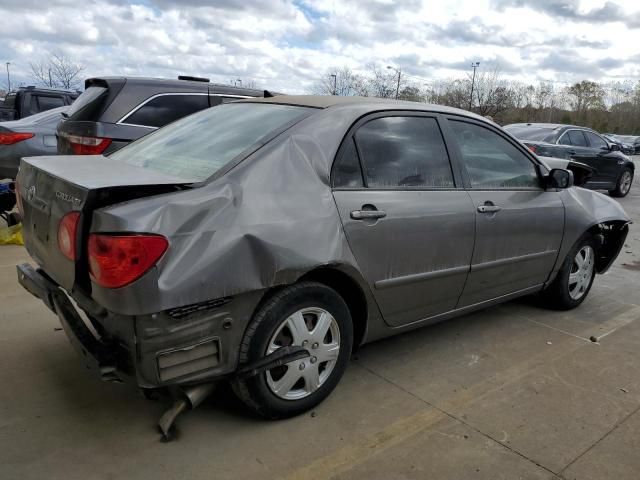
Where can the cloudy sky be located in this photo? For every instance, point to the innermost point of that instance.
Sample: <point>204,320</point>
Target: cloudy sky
<point>288,44</point>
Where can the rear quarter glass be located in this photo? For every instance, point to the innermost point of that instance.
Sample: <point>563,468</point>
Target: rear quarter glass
<point>189,149</point>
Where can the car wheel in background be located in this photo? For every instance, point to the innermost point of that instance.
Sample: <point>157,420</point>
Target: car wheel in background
<point>573,282</point>
<point>307,314</point>
<point>624,184</point>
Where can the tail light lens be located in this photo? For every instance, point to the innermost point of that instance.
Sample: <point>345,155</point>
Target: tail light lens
<point>88,145</point>
<point>533,148</point>
<point>118,260</point>
<point>9,138</point>
<point>67,234</point>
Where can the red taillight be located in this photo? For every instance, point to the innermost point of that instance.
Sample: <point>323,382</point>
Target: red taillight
<point>9,138</point>
<point>88,145</point>
<point>118,260</point>
<point>67,231</point>
<point>533,148</point>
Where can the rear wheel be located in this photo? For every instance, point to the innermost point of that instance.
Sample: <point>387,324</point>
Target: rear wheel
<point>310,315</point>
<point>624,184</point>
<point>574,280</point>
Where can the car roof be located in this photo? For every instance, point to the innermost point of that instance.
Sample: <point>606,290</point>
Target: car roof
<point>374,103</point>
<point>172,82</point>
<point>547,125</point>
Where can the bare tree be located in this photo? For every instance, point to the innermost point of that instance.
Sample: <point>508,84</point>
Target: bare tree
<point>57,72</point>
<point>342,82</point>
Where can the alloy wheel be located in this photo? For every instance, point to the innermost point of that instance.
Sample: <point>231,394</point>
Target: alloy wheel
<point>316,330</point>
<point>625,182</point>
<point>581,272</point>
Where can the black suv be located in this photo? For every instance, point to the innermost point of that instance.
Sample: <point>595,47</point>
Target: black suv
<point>27,101</point>
<point>114,111</point>
<point>613,170</point>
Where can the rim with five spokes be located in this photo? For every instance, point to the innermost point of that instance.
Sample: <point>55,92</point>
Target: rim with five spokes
<point>317,330</point>
<point>581,272</point>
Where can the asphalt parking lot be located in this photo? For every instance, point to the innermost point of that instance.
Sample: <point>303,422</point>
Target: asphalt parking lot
<point>514,391</point>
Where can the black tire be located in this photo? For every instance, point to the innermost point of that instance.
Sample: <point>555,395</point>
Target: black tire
<point>557,295</point>
<point>255,391</point>
<point>621,189</point>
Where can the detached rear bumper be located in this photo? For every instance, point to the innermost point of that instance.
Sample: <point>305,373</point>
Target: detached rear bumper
<point>96,355</point>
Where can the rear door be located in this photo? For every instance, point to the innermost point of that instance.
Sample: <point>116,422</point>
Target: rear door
<point>519,225</point>
<point>407,219</point>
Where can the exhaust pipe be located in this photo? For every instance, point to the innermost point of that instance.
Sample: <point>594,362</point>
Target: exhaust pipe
<point>190,398</point>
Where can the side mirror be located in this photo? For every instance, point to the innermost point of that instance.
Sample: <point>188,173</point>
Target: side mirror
<point>559,178</point>
<point>614,147</point>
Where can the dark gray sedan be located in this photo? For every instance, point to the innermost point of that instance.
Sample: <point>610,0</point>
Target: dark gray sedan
<point>262,241</point>
<point>31,136</point>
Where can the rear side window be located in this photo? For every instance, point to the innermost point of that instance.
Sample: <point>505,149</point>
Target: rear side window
<point>596,141</point>
<point>196,147</point>
<point>164,109</point>
<point>346,170</point>
<point>404,152</point>
<point>491,161</point>
<point>41,103</point>
<point>576,137</point>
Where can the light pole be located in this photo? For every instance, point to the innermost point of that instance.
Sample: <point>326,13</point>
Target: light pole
<point>335,83</point>
<point>474,65</point>
<point>397,70</point>
<point>8,78</point>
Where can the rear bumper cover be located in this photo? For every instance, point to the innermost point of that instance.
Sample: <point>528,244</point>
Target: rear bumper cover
<point>96,355</point>
<point>153,350</point>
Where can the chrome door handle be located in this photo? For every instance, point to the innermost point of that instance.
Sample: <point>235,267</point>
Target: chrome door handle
<point>488,208</point>
<point>367,214</point>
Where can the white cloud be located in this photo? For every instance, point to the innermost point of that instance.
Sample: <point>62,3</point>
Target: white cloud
<point>287,44</point>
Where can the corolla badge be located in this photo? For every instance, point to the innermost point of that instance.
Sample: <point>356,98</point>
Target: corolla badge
<point>65,197</point>
<point>31,192</point>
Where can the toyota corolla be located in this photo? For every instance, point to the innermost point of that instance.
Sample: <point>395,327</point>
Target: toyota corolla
<point>262,241</point>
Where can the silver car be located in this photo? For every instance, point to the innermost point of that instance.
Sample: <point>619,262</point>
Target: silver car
<point>262,241</point>
<point>30,136</point>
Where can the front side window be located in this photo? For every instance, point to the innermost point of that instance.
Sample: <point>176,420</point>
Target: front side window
<point>596,141</point>
<point>45,103</point>
<point>576,137</point>
<point>491,161</point>
<point>197,146</point>
<point>404,152</point>
<point>165,109</point>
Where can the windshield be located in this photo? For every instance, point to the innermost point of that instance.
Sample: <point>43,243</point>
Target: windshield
<point>531,132</point>
<point>197,146</point>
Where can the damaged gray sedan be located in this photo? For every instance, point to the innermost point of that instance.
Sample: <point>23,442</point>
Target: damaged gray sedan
<point>262,241</point>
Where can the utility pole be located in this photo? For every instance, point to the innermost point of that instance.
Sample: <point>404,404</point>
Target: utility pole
<point>240,81</point>
<point>335,83</point>
<point>474,65</point>
<point>398,71</point>
<point>8,78</point>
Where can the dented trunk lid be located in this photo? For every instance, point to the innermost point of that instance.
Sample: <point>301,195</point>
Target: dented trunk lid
<point>50,187</point>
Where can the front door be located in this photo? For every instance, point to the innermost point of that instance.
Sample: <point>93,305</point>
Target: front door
<point>519,225</point>
<point>605,161</point>
<point>409,223</point>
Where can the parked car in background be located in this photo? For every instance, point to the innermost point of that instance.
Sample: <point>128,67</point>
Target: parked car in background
<point>31,136</point>
<point>625,146</point>
<point>261,240</point>
<point>27,101</point>
<point>114,111</point>
<point>614,171</point>
<point>631,140</point>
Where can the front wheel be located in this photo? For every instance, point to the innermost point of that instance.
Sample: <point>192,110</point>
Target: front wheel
<point>574,280</point>
<point>310,315</point>
<point>623,187</point>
